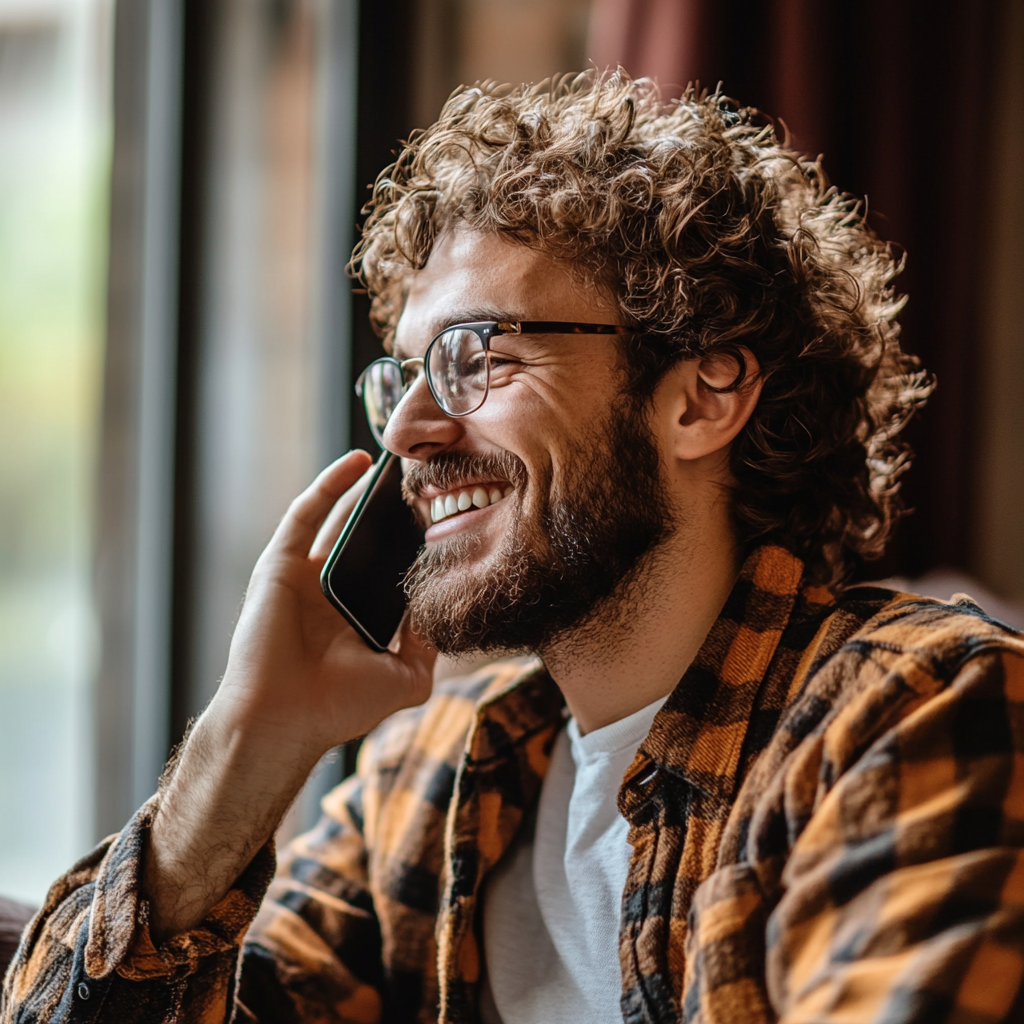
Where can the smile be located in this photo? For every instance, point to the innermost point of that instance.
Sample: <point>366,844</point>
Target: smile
<point>443,506</point>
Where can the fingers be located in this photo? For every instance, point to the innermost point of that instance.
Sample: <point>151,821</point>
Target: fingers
<point>298,529</point>
<point>338,517</point>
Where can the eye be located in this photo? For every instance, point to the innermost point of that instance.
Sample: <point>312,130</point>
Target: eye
<point>474,364</point>
<point>503,359</point>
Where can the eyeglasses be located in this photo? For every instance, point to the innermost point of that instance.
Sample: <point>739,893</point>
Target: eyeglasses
<point>457,365</point>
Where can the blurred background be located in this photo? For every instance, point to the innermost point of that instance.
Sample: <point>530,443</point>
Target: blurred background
<point>180,183</point>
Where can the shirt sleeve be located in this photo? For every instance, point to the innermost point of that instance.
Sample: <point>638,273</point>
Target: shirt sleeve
<point>88,955</point>
<point>308,952</point>
<point>904,895</point>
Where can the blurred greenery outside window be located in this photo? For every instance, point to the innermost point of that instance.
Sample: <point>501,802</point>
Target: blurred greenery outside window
<point>55,137</point>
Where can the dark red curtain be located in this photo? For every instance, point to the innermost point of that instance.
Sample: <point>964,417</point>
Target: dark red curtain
<point>898,96</point>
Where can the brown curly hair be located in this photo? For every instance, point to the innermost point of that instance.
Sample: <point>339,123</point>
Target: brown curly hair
<point>711,233</point>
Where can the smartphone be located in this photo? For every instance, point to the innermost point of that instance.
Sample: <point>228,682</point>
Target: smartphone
<point>364,574</point>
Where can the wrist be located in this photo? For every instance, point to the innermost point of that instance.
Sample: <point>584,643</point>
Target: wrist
<point>272,731</point>
<point>257,742</point>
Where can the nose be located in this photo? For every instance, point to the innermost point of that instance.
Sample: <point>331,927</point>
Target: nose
<point>418,428</point>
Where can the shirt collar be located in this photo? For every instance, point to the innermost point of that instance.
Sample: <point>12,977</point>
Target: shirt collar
<point>699,732</point>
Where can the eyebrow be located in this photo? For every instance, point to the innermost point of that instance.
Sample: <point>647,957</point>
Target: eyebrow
<point>466,316</point>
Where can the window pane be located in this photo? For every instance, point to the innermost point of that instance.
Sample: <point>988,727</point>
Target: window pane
<point>54,142</point>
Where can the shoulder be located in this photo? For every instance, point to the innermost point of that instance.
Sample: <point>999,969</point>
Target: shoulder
<point>884,671</point>
<point>919,641</point>
<point>436,730</point>
<point>880,653</point>
<point>407,767</point>
<point>866,640</point>
<point>895,782</point>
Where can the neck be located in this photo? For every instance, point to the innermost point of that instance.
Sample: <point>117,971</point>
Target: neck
<point>637,649</point>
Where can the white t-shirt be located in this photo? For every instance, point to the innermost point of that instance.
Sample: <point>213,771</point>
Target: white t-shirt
<point>552,906</point>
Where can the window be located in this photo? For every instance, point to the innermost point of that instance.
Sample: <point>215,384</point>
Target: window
<point>54,170</point>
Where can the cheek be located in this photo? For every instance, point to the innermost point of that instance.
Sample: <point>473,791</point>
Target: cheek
<point>545,411</point>
<point>549,425</point>
<point>528,428</point>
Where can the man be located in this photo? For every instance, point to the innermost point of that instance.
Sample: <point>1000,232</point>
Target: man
<point>654,385</point>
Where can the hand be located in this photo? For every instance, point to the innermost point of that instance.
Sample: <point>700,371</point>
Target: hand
<point>299,680</point>
<point>297,672</point>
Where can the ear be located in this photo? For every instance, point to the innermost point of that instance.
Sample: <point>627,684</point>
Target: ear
<point>700,418</point>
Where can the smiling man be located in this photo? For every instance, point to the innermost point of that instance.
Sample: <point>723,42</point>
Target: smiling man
<point>645,381</point>
<point>587,514</point>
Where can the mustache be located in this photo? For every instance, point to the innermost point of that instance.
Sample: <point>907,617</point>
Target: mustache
<point>446,470</point>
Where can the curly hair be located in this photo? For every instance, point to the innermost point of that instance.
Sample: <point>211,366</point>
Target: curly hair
<point>711,233</point>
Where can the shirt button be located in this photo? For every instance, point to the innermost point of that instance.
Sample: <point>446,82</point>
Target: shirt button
<point>83,991</point>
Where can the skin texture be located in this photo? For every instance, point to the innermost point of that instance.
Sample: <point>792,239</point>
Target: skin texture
<point>298,679</point>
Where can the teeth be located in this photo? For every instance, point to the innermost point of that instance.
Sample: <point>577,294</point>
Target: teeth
<point>471,497</point>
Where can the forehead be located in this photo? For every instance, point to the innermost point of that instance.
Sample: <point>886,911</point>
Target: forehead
<point>473,275</point>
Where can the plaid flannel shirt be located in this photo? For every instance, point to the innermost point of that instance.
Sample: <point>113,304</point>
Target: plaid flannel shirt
<point>826,821</point>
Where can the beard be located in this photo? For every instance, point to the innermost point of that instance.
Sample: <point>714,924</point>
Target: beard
<point>572,566</point>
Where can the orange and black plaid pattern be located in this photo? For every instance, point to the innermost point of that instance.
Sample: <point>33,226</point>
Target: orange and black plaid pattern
<point>827,822</point>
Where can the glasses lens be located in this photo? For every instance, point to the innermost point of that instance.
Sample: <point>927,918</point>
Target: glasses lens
<point>382,386</point>
<point>458,371</point>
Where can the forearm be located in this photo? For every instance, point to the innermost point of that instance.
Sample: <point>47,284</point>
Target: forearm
<point>226,795</point>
